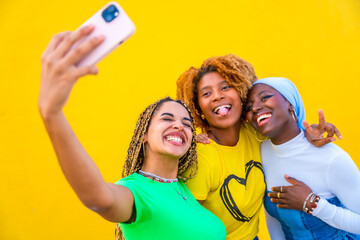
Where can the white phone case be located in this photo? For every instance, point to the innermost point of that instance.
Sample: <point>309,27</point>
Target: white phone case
<point>116,32</point>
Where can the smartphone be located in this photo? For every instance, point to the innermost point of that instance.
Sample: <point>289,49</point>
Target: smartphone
<point>112,22</point>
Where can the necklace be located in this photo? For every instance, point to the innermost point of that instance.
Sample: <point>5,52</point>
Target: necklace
<point>157,178</point>
<point>178,192</point>
<point>164,180</point>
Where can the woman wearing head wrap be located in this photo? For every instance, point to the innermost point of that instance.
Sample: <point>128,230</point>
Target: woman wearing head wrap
<point>325,205</point>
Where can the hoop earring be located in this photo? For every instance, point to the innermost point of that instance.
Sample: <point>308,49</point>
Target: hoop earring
<point>143,145</point>
<point>294,116</point>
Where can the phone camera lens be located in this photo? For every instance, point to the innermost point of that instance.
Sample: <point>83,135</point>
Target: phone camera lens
<point>110,13</point>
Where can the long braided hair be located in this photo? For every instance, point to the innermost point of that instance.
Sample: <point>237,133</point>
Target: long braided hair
<point>135,155</point>
<point>188,164</point>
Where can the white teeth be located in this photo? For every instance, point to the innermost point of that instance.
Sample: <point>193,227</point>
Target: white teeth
<point>175,139</point>
<point>223,106</point>
<point>264,116</point>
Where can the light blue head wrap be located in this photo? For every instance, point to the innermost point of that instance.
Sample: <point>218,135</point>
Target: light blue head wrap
<point>290,92</point>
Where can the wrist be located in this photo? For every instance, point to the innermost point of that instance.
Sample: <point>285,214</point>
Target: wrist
<point>47,112</point>
<point>310,203</point>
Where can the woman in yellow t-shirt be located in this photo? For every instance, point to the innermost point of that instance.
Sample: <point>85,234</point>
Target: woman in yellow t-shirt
<point>230,180</point>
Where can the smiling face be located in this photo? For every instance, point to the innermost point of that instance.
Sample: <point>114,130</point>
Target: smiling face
<point>219,101</point>
<point>169,133</point>
<point>270,113</point>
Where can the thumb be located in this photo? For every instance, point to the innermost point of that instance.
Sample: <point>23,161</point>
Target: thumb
<point>291,180</point>
<point>87,70</point>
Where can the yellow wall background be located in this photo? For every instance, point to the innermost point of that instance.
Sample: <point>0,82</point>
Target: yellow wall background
<point>315,43</point>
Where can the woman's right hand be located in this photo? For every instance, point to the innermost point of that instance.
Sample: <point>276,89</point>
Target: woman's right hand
<point>59,72</point>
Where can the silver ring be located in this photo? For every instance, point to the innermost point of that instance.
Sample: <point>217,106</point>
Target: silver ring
<point>281,189</point>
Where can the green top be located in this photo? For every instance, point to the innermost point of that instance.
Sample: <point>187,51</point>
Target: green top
<point>163,213</point>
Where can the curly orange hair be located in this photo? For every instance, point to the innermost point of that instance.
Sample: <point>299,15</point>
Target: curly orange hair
<point>236,71</point>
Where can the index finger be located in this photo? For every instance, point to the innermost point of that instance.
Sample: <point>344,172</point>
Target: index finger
<point>54,42</point>
<point>276,189</point>
<point>307,127</point>
<point>71,39</point>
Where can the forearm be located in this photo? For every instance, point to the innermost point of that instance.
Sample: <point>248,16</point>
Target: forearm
<point>343,178</point>
<point>77,166</point>
<point>338,217</point>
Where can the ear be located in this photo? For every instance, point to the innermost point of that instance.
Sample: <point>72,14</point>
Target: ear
<point>291,107</point>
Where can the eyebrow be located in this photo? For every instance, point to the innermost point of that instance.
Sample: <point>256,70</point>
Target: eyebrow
<point>265,91</point>
<point>172,115</point>
<point>209,86</point>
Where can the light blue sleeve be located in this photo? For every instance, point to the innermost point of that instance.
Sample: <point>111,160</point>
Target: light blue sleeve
<point>343,178</point>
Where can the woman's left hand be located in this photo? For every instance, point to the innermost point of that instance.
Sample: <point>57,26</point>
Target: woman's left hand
<point>202,138</point>
<point>314,133</point>
<point>290,197</point>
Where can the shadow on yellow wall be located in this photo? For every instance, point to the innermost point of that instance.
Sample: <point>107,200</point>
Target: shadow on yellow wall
<point>313,43</point>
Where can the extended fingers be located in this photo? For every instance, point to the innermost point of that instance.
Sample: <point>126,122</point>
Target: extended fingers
<point>321,119</point>
<point>54,42</point>
<point>278,189</point>
<point>278,197</point>
<point>82,49</point>
<point>82,71</point>
<point>308,129</point>
<point>292,180</point>
<point>71,39</point>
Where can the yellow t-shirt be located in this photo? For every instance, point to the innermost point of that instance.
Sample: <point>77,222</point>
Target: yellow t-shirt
<point>232,182</point>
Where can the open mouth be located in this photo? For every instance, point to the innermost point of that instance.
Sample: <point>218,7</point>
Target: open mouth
<point>263,117</point>
<point>222,110</point>
<point>174,139</point>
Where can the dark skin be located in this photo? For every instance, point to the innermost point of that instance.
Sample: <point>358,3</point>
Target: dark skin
<point>293,197</point>
<point>280,127</point>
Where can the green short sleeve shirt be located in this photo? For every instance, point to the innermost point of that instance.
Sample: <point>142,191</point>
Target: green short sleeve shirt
<point>163,213</point>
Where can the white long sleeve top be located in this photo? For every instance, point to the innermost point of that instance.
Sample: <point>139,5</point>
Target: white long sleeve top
<point>328,171</point>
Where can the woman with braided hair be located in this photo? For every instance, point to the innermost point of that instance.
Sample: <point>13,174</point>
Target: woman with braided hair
<point>230,180</point>
<point>151,202</point>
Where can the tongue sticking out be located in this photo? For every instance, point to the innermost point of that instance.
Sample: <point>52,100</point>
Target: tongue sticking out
<point>223,111</point>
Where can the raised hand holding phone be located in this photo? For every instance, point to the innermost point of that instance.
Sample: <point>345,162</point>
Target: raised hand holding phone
<point>113,23</point>
<point>71,55</point>
<point>59,72</point>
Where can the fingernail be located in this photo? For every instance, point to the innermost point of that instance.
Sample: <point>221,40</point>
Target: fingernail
<point>89,27</point>
<point>100,38</point>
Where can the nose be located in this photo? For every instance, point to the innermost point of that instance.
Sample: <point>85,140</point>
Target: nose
<point>218,95</point>
<point>256,106</point>
<point>178,125</point>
